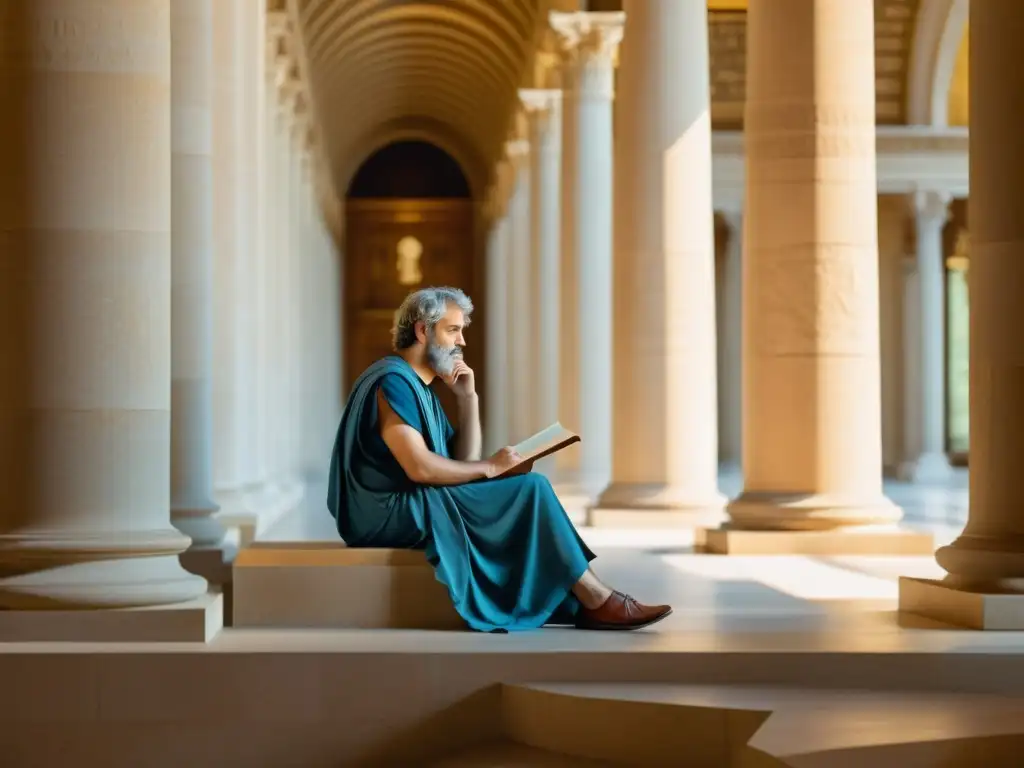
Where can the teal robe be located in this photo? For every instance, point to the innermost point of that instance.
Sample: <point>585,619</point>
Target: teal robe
<point>504,548</point>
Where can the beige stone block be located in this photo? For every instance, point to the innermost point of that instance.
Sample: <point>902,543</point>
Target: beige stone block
<point>329,585</point>
<point>936,600</point>
<point>860,541</point>
<point>195,621</point>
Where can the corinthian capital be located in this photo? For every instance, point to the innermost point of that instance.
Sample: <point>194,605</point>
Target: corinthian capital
<point>590,33</point>
<point>540,99</point>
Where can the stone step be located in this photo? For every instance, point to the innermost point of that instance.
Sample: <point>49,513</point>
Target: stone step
<point>326,585</point>
<point>713,726</point>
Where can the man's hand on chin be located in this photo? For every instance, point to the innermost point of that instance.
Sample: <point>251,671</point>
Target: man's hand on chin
<point>462,381</point>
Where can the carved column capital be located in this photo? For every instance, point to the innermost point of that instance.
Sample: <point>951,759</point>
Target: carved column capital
<point>590,44</point>
<point>590,33</point>
<point>931,206</point>
<point>540,104</point>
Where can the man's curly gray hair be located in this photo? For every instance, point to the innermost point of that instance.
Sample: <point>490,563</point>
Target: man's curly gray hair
<point>426,306</point>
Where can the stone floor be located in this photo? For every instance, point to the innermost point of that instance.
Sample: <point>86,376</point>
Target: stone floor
<point>780,603</point>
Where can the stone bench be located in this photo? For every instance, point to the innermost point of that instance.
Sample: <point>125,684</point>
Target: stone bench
<point>327,585</point>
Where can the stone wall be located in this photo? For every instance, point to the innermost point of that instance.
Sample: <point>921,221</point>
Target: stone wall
<point>894,30</point>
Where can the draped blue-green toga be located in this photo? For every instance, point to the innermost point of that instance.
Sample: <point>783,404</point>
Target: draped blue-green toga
<point>504,548</point>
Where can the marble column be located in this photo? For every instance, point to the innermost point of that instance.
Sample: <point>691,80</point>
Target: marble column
<point>496,425</point>
<point>925,352</point>
<point>192,504</point>
<point>986,562</point>
<point>665,403</point>
<point>812,438</point>
<point>292,296</point>
<point>254,183</point>
<point>231,375</point>
<point>85,309</point>
<point>520,298</point>
<point>544,114</point>
<point>729,310</point>
<point>590,41</point>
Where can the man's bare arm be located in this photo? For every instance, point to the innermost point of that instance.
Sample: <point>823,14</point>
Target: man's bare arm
<point>420,463</point>
<point>468,440</point>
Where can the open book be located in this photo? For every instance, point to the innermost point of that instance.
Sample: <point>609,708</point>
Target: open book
<point>546,442</point>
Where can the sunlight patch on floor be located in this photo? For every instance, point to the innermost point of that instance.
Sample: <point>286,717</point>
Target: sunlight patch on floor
<point>800,577</point>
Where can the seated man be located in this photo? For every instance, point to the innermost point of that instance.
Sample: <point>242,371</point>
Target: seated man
<point>402,478</point>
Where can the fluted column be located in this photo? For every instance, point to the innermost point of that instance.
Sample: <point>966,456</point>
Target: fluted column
<point>520,297</point>
<point>192,504</point>
<point>496,425</point>
<point>989,554</point>
<point>812,438</point>
<point>925,369</point>
<point>730,342</point>
<point>665,405</point>
<point>85,308</point>
<point>591,40</point>
<point>544,114</point>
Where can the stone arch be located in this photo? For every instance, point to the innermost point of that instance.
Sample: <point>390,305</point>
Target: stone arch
<point>937,38</point>
<point>409,168</point>
<point>472,165</point>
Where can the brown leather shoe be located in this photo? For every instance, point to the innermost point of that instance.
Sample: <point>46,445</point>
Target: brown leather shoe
<point>621,612</point>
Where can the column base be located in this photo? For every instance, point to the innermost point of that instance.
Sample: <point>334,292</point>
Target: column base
<point>995,610</point>
<point>212,563</point>
<point>194,621</point>
<point>772,511</point>
<point>655,505</point>
<point>107,584</point>
<point>859,540</point>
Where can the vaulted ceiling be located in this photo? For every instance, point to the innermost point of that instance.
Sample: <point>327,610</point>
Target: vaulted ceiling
<point>446,70</point>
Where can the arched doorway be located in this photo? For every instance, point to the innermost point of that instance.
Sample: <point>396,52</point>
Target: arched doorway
<point>409,224</point>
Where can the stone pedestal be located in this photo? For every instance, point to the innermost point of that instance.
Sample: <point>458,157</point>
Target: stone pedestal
<point>665,447</point>
<point>985,586</point>
<point>85,299</point>
<point>590,40</point>
<point>811,388</point>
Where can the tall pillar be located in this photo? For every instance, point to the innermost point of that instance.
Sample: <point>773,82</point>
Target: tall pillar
<point>192,504</point>
<point>729,311</point>
<point>590,40</point>
<point>292,314</point>
<point>496,426</point>
<point>254,184</point>
<point>812,442</point>
<point>544,115</point>
<point>520,297</point>
<point>85,313</point>
<point>231,377</point>
<point>985,585</point>
<point>665,400</point>
<point>925,352</point>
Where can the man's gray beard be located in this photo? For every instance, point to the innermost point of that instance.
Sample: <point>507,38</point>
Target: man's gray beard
<point>442,359</point>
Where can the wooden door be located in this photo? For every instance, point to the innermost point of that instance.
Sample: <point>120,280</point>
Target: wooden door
<point>393,247</point>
